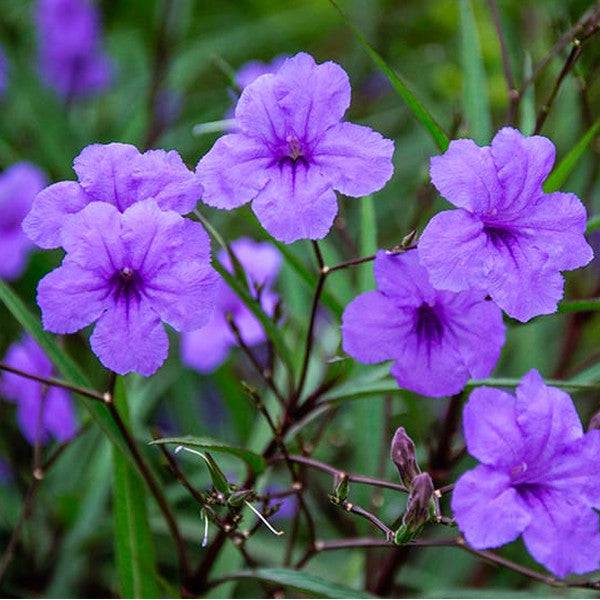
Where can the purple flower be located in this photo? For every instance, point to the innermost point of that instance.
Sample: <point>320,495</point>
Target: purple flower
<point>293,150</point>
<point>71,58</point>
<point>539,476</point>
<point>117,174</point>
<point>129,271</point>
<point>41,411</point>
<point>507,237</point>
<point>253,69</point>
<point>206,348</point>
<point>437,339</point>
<point>18,186</point>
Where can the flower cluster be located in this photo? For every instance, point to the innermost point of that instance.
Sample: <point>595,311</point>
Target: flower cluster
<point>206,348</point>
<point>539,476</point>
<point>72,63</point>
<point>41,411</point>
<point>19,185</point>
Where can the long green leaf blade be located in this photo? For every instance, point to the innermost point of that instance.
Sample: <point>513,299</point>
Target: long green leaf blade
<point>368,242</point>
<point>418,110</point>
<point>302,582</point>
<point>134,547</point>
<point>256,462</point>
<point>562,171</point>
<point>476,103</point>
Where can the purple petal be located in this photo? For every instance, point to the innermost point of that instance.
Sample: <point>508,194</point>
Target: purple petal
<point>466,176</point>
<point>172,255</point>
<point>563,534</point>
<point>207,348</point>
<point>487,510</point>
<point>71,297</point>
<point>50,207</point>
<point>31,420</point>
<point>401,277</point>
<point>575,471</point>
<point>490,426</point>
<point>261,260</point>
<point>357,159</point>
<point>520,279</point>
<point>547,417</point>
<point>164,177</point>
<point>430,367</point>
<point>59,415</point>
<point>129,337</point>
<point>92,238</point>
<point>478,328</point>
<point>233,172</point>
<point>314,97</point>
<point>453,248</point>
<point>296,204</point>
<point>523,163</point>
<point>104,172</point>
<point>556,225</point>
<point>374,328</point>
<point>14,250</point>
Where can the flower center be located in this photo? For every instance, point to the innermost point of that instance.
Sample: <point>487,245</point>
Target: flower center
<point>294,147</point>
<point>126,283</point>
<point>499,236</point>
<point>429,326</point>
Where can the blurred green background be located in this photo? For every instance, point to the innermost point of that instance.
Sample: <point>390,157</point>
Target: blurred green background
<point>67,544</point>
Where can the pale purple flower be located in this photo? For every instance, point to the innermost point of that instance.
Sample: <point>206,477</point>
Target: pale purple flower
<point>293,150</point>
<point>42,411</point>
<point>118,174</point>
<point>129,271</point>
<point>539,476</point>
<point>18,186</point>
<point>71,57</point>
<point>206,348</point>
<point>507,237</point>
<point>437,339</point>
<point>253,69</point>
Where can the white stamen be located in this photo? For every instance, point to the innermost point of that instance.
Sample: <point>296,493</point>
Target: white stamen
<point>263,519</point>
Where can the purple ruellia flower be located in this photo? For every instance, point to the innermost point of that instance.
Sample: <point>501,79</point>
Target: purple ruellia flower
<point>41,411</point>
<point>130,271</point>
<point>437,339</point>
<point>293,150</point>
<point>117,174</point>
<point>18,186</point>
<point>71,58</point>
<point>208,347</point>
<point>539,476</point>
<point>507,237</point>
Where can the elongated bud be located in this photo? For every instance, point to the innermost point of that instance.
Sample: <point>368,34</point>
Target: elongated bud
<point>402,453</point>
<point>594,422</point>
<point>417,509</point>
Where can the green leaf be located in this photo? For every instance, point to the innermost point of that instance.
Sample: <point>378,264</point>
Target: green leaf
<point>475,95</point>
<point>419,111</point>
<point>570,306</point>
<point>62,361</point>
<point>368,242</point>
<point>272,331</point>
<point>134,546</point>
<point>256,462</point>
<point>593,224</point>
<point>301,582</point>
<point>562,171</point>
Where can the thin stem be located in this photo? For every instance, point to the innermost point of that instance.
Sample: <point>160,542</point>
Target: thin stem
<point>51,381</point>
<point>153,487</point>
<point>513,92</point>
<point>591,304</point>
<point>365,514</point>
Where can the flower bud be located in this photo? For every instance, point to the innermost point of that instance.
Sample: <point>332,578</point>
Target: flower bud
<point>417,509</point>
<point>402,453</point>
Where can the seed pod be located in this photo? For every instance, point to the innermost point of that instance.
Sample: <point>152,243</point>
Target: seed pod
<point>402,453</point>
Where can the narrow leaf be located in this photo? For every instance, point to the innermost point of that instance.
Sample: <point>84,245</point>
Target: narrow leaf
<point>256,462</point>
<point>301,582</point>
<point>562,171</point>
<point>476,103</point>
<point>419,111</point>
<point>368,242</point>
<point>134,547</point>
